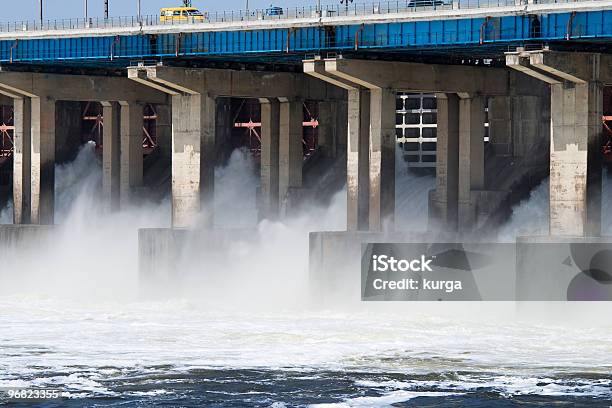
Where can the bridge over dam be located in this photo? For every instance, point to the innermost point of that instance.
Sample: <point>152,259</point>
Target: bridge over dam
<point>491,96</point>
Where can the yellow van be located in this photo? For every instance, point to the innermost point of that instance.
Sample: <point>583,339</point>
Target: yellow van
<point>180,14</point>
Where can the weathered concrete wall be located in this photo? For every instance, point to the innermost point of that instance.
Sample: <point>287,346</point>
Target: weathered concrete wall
<point>575,159</point>
<point>193,159</point>
<point>358,173</point>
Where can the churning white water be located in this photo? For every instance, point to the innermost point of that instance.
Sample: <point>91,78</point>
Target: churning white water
<point>71,318</point>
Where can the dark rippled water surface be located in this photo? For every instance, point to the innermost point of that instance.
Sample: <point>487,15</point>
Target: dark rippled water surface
<point>164,387</point>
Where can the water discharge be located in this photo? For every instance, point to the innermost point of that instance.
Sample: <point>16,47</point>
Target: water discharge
<point>249,335</point>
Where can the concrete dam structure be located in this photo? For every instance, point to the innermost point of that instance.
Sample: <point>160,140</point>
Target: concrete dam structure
<point>507,94</point>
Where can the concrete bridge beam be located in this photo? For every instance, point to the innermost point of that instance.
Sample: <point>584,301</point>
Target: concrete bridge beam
<point>576,89</point>
<point>415,77</point>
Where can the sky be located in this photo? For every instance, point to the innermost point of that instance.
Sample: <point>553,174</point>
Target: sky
<point>19,10</point>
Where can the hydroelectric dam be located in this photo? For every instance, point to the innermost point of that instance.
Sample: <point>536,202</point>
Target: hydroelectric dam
<point>348,204</point>
<point>493,97</point>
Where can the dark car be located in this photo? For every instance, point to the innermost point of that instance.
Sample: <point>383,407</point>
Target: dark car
<point>274,11</point>
<point>427,3</point>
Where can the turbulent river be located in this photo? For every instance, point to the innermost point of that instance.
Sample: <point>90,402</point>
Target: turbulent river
<point>72,319</point>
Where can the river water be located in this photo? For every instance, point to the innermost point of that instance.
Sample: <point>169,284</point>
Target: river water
<point>72,319</point>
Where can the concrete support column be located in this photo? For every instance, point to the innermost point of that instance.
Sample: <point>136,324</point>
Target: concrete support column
<point>193,158</point>
<point>357,171</point>
<point>111,161</point>
<point>43,160</point>
<point>131,150</point>
<point>471,158</point>
<point>22,160</point>
<point>382,159</point>
<point>328,132</point>
<point>270,130</point>
<point>444,202</point>
<point>291,154</point>
<point>341,126</point>
<point>575,159</point>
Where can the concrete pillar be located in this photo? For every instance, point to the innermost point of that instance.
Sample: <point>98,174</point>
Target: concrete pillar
<point>193,158</point>
<point>357,171</point>
<point>163,130</point>
<point>382,159</point>
<point>22,160</point>
<point>501,124</point>
<point>575,159</point>
<point>270,122</point>
<point>341,126</point>
<point>327,130</point>
<point>291,154</point>
<point>471,158</point>
<point>131,150</point>
<point>43,160</point>
<point>111,158</point>
<point>444,201</point>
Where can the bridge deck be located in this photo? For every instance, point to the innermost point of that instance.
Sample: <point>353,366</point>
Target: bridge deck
<point>381,27</point>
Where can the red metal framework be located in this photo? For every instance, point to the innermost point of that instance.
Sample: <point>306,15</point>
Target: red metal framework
<point>6,133</point>
<point>93,119</point>
<point>247,126</point>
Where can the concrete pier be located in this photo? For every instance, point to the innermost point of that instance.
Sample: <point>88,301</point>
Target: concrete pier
<point>291,153</point>
<point>22,160</point>
<point>471,158</point>
<point>382,159</point>
<point>43,160</point>
<point>575,81</point>
<point>193,124</point>
<point>358,167</point>
<point>131,159</point>
<point>111,157</point>
<point>270,137</point>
